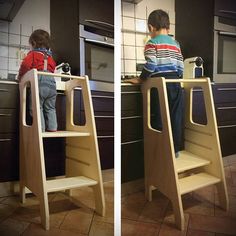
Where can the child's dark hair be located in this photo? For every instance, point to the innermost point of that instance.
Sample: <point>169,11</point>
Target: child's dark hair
<point>159,19</point>
<point>40,39</point>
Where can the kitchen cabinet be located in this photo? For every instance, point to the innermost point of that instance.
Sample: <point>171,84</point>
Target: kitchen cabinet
<point>225,107</point>
<point>64,30</point>
<point>132,152</point>
<point>226,8</point>
<point>9,148</point>
<point>96,13</point>
<point>65,17</point>
<point>198,16</point>
<point>103,105</point>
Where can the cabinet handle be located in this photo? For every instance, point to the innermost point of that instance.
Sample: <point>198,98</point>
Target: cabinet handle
<point>226,126</point>
<point>102,23</point>
<point>227,33</point>
<point>99,42</point>
<point>100,96</point>
<point>226,11</point>
<point>106,136</point>
<point>225,108</point>
<point>5,114</point>
<point>226,89</point>
<point>130,117</point>
<point>5,139</point>
<point>104,117</point>
<point>130,142</point>
<point>4,90</point>
<point>132,92</point>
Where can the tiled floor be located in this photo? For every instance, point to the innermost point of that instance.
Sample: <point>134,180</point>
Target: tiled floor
<point>202,214</point>
<point>66,218</point>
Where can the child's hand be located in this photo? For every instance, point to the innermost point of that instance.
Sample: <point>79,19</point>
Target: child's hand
<point>135,80</point>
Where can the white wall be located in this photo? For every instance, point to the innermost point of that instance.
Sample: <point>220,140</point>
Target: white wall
<point>134,30</point>
<point>14,36</point>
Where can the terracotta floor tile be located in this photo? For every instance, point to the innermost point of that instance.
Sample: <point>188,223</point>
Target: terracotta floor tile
<point>15,201</point>
<point>37,230</point>
<point>212,224</point>
<point>2,199</point>
<point>27,213</point>
<point>231,159</point>
<point>169,228</point>
<point>192,232</point>
<point>132,205</point>
<point>154,211</point>
<point>222,234</point>
<point>6,211</point>
<point>225,162</point>
<point>108,175</point>
<point>227,171</point>
<point>233,167</point>
<point>109,214</point>
<point>134,228</point>
<point>57,211</point>
<point>78,221</point>
<point>200,202</point>
<point>233,178</point>
<point>12,227</point>
<point>232,208</point>
<point>58,205</point>
<point>109,191</point>
<point>137,198</point>
<point>100,228</point>
<point>131,211</point>
<point>231,190</point>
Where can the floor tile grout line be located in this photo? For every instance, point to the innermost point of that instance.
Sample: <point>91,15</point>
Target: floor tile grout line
<point>91,223</point>
<point>26,228</point>
<point>187,226</point>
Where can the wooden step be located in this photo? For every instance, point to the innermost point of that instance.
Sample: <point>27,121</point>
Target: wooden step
<point>194,182</point>
<point>187,161</point>
<point>68,183</point>
<point>59,134</point>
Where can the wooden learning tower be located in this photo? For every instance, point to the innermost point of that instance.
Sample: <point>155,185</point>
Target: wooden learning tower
<point>82,155</point>
<point>198,165</point>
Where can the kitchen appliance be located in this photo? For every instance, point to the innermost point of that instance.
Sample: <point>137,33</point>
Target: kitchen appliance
<point>96,55</point>
<point>224,65</point>
<point>63,68</point>
<point>193,68</point>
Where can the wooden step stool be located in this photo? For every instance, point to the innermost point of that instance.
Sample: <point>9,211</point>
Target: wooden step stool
<point>82,155</point>
<point>200,164</point>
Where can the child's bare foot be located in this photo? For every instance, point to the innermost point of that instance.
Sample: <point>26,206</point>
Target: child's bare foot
<point>135,80</point>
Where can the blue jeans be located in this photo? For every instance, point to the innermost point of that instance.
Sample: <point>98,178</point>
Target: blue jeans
<point>175,101</point>
<point>47,99</point>
<point>47,102</point>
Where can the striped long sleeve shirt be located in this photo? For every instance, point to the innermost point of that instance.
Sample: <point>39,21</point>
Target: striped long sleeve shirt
<point>162,55</point>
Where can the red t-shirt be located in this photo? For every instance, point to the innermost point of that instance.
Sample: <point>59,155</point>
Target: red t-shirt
<point>35,60</point>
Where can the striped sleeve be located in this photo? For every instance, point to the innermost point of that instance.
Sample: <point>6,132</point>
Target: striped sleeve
<point>151,60</point>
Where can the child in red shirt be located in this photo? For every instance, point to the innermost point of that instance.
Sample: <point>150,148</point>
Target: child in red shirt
<point>40,58</point>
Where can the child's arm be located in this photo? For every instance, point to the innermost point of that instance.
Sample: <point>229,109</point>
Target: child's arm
<point>136,80</point>
<point>150,57</point>
<point>26,65</point>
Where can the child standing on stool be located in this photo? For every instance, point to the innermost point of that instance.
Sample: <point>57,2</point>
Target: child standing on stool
<point>164,59</point>
<point>40,58</point>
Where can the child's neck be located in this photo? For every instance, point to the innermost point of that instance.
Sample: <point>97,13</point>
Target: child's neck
<point>161,32</point>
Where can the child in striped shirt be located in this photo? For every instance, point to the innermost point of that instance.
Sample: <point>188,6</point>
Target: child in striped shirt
<point>164,59</point>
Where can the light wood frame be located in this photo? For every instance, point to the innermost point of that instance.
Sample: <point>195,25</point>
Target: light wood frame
<point>82,154</point>
<point>199,165</point>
